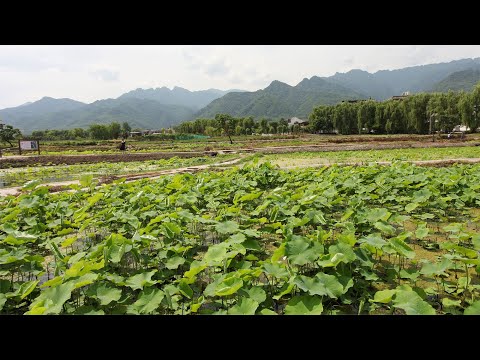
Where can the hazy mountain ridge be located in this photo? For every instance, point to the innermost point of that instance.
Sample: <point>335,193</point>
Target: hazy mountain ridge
<point>162,107</point>
<point>459,81</point>
<point>384,84</point>
<point>280,99</point>
<point>142,113</point>
<point>178,96</point>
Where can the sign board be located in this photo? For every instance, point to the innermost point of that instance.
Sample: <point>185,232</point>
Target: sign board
<point>27,145</point>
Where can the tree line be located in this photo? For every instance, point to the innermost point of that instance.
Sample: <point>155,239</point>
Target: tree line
<point>224,124</point>
<point>95,131</point>
<point>414,114</point>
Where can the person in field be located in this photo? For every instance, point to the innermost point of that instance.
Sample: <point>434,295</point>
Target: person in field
<point>123,145</point>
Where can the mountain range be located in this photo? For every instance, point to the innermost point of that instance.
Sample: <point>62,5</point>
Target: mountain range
<point>162,107</point>
<point>141,108</point>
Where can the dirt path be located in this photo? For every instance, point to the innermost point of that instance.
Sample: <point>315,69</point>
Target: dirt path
<point>60,185</point>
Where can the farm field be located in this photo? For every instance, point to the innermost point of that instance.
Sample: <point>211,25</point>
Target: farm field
<point>256,239</point>
<point>46,174</point>
<point>141,145</point>
<point>305,159</point>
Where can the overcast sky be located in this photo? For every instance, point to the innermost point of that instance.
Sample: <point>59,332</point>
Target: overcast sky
<point>89,73</point>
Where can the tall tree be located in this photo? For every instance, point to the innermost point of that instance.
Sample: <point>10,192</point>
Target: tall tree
<point>225,122</point>
<point>126,128</point>
<point>9,134</point>
<point>115,130</point>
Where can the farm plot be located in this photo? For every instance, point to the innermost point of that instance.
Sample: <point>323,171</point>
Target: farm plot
<point>44,174</point>
<point>256,240</point>
<point>305,159</point>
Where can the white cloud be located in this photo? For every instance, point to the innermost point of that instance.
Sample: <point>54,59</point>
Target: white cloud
<point>89,73</point>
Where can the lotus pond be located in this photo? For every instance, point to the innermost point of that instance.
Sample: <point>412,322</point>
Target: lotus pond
<point>304,159</point>
<point>45,174</point>
<point>253,240</point>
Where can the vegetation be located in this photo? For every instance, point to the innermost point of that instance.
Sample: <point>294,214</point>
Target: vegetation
<point>304,159</point>
<point>139,113</point>
<point>459,81</point>
<point>8,134</point>
<point>280,100</point>
<point>416,114</point>
<point>95,131</point>
<point>258,240</point>
<point>48,174</point>
<point>178,96</point>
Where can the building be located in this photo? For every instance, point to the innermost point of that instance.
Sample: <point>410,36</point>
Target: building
<point>296,121</point>
<point>404,95</point>
<point>354,101</point>
<point>461,128</point>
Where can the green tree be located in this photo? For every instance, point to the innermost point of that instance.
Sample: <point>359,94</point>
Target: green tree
<point>99,132</point>
<point>115,130</point>
<point>9,134</point>
<point>126,128</point>
<point>225,122</point>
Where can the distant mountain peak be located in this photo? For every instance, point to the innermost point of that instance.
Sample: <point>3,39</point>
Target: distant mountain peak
<point>180,89</point>
<point>278,85</point>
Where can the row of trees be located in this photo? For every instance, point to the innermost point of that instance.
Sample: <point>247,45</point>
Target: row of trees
<point>415,114</point>
<point>95,131</point>
<point>411,115</point>
<point>229,125</point>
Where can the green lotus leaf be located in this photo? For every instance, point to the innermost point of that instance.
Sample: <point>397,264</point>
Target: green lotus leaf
<point>446,302</point>
<point>422,231</point>
<point>171,229</point>
<point>256,293</point>
<point>473,309</point>
<point>51,301</point>
<point>140,281</point>
<point>215,254</point>
<point>185,289</point>
<point>174,262</point>
<point>275,270</point>
<point>227,227</point>
<point>345,249</point>
<point>299,252</point>
<point>267,312</point>
<point>411,206</point>
<point>304,305</point>
<point>402,248</point>
<point>322,284</point>
<point>385,228</point>
<point>384,296</point>
<point>245,306</point>
<point>436,268</point>
<point>228,286</point>
<point>106,294</point>
<point>376,214</point>
<point>412,303</point>
<point>88,310</point>
<point>3,300</point>
<point>374,240</point>
<point>148,301</point>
